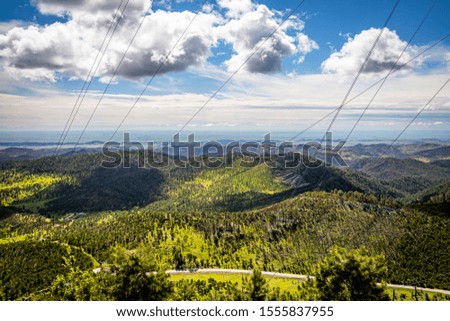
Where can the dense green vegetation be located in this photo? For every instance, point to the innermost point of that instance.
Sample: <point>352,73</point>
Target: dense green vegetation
<point>343,275</point>
<point>285,220</point>
<point>27,266</point>
<point>83,185</point>
<point>405,176</point>
<point>351,276</point>
<point>19,186</point>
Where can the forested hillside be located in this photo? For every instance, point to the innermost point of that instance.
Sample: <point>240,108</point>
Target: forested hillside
<point>141,219</point>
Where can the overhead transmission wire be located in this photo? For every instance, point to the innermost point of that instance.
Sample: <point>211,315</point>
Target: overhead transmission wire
<point>241,66</point>
<point>398,68</point>
<point>156,72</point>
<point>361,69</point>
<point>414,118</point>
<point>393,69</point>
<point>383,81</point>
<point>168,55</point>
<point>112,77</point>
<point>390,72</point>
<point>93,70</point>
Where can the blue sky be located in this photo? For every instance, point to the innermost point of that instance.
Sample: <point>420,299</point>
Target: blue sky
<point>46,49</point>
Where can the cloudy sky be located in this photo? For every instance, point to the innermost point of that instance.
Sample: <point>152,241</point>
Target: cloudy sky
<point>285,82</point>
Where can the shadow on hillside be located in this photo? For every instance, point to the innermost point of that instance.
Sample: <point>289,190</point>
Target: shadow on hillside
<point>250,200</point>
<point>6,212</point>
<point>104,189</point>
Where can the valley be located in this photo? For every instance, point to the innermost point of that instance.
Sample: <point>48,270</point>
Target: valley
<point>69,216</point>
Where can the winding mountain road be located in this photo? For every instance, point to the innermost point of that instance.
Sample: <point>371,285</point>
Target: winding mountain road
<point>290,276</point>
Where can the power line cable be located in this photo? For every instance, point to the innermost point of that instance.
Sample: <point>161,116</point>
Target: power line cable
<point>113,76</point>
<point>390,72</point>
<point>241,66</point>
<point>361,69</point>
<point>157,71</point>
<point>90,76</point>
<point>414,118</point>
<point>398,68</point>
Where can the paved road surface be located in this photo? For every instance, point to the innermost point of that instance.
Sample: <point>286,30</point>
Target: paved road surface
<point>290,276</point>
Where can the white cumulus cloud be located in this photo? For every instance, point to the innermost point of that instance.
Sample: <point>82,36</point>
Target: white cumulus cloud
<point>252,30</point>
<point>68,48</point>
<point>353,53</point>
<point>89,10</point>
<point>236,8</point>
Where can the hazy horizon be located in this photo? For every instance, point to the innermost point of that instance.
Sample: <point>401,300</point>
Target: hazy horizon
<point>50,138</point>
